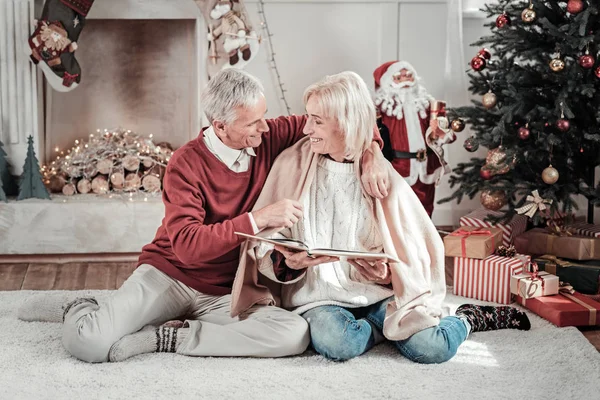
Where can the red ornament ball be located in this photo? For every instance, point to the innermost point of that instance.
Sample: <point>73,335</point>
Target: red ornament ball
<point>574,6</point>
<point>485,53</point>
<point>586,61</point>
<point>502,21</point>
<point>471,144</point>
<point>563,124</point>
<point>597,72</point>
<point>478,63</point>
<point>485,173</point>
<point>524,133</point>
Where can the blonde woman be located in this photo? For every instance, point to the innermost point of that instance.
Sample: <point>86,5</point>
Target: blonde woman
<point>351,305</point>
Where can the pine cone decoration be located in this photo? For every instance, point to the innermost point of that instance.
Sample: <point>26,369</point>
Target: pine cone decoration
<point>504,251</point>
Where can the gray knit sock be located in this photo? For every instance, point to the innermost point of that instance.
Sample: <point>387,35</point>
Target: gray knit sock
<point>44,307</point>
<point>163,339</point>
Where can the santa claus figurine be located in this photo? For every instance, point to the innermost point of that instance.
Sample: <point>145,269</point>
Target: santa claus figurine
<point>417,127</point>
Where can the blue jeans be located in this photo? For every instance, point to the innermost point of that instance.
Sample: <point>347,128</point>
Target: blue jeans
<point>340,334</point>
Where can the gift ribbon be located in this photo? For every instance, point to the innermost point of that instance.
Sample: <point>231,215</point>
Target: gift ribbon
<point>536,202</point>
<point>464,234</point>
<point>561,263</point>
<point>549,243</point>
<point>592,310</point>
<point>533,276</point>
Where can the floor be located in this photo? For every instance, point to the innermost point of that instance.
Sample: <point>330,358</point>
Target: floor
<point>109,276</point>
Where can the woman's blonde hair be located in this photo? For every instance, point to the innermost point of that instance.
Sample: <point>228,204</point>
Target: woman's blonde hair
<point>346,98</point>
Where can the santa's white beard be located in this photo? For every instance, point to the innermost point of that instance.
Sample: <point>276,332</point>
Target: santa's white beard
<point>392,100</point>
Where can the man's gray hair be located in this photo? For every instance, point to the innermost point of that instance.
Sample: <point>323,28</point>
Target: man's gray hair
<point>226,91</point>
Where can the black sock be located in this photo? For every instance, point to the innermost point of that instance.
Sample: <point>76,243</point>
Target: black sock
<point>490,318</point>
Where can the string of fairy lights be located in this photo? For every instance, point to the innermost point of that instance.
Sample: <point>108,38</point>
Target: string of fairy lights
<point>114,160</point>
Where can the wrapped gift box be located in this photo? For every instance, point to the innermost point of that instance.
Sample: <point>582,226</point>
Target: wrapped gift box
<point>565,309</point>
<point>529,286</point>
<point>521,242</point>
<point>487,279</point>
<point>584,276</point>
<point>575,247</point>
<point>510,230</point>
<point>585,229</point>
<point>472,242</point>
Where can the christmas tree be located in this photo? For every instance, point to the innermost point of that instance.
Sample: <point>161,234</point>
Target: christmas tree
<point>539,113</point>
<point>31,184</point>
<point>6,179</point>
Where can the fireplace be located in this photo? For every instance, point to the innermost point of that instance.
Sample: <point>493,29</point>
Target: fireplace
<point>140,71</point>
<point>137,74</point>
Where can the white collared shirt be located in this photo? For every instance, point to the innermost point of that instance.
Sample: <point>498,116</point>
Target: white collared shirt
<point>236,160</point>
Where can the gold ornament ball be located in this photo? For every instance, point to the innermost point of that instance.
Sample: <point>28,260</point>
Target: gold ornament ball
<point>528,15</point>
<point>550,175</point>
<point>493,199</point>
<point>457,125</point>
<point>557,65</point>
<point>489,100</point>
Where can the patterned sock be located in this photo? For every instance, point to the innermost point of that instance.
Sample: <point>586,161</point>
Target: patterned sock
<point>490,318</point>
<point>162,339</point>
<point>44,307</point>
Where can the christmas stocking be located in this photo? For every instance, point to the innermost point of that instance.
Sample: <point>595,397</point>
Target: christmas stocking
<point>53,43</point>
<point>232,42</point>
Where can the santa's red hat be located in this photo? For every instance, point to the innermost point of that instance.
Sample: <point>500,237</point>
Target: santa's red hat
<point>390,68</point>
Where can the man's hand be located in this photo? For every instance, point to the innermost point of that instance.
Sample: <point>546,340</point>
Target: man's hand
<point>301,259</point>
<point>282,214</point>
<point>375,178</point>
<point>372,270</point>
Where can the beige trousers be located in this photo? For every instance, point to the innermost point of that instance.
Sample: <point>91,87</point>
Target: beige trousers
<point>150,297</point>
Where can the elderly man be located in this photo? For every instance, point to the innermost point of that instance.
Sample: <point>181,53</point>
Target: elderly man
<point>187,272</point>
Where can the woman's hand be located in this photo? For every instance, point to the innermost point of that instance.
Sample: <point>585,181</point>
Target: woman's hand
<point>372,270</point>
<point>375,178</point>
<point>301,260</point>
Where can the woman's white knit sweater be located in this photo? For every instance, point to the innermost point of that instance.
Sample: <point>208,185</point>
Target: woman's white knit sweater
<point>335,216</point>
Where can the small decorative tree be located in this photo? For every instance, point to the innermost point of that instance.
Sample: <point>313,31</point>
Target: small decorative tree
<point>6,180</point>
<point>31,184</point>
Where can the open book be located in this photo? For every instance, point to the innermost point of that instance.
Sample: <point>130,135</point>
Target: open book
<point>299,245</point>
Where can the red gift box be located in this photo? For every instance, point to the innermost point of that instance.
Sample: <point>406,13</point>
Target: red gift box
<point>511,229</point>
<point>487,279</point>
<point>565,309</point>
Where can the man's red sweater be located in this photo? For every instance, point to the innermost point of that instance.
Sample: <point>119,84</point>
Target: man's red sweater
<point>205,202</point>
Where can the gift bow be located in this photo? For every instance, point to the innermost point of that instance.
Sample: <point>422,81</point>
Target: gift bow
<point>558,230</point>
<point>527,291</point>
<point>536,202</point>
<point>464,234</point>
<point>534,274</point>
<point>565,287</point>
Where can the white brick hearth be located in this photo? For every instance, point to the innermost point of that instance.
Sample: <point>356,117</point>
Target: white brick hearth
<point>79,224</point>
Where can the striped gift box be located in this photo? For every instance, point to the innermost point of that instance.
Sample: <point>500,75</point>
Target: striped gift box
<point>516,226</point>
<point>585,229</point>
<point>487,279</point>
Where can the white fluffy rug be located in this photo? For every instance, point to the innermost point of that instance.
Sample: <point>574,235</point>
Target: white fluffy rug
<point>543,363</point>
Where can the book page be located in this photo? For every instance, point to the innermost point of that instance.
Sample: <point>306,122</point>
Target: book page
<point>299,245</point>
<point>349,254</point>
<point>289,243</point>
